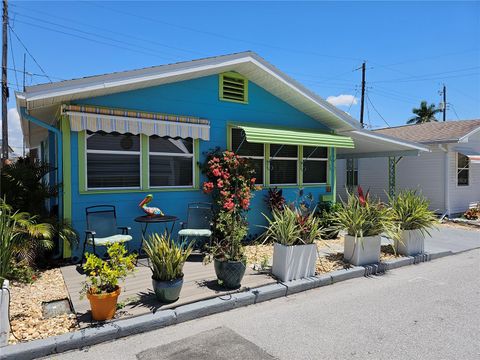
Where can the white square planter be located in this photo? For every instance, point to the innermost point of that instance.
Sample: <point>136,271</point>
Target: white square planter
<point>413,243</point>
<point>4,320</point>
<point>294,262</point>
<point>362,251</point>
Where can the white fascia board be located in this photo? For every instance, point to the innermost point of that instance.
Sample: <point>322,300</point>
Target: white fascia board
<point>465,137</point>
<point>93,86</point>
<point>389,139</point>
<point>128,81</point>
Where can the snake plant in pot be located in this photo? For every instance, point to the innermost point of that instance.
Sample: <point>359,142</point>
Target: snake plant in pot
<point>167,259</point>
<point>414,219</point>
<point>294,234</point>
<point>101,285</point>
<point>364,220</point>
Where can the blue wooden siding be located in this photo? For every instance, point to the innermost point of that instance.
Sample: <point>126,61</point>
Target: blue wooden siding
<point>199,97</point>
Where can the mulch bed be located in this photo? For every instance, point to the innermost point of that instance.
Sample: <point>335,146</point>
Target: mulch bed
<point>26,316</point>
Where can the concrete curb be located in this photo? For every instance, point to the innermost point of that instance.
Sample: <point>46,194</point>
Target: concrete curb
<point>136,325</point>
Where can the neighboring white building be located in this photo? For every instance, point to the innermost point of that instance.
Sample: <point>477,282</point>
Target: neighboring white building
<point>449,175</point>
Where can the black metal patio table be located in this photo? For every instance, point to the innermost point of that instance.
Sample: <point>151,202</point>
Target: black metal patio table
<point>145,220</point>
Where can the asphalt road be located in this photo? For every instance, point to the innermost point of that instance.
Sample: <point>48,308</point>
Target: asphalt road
<point>426,311</point>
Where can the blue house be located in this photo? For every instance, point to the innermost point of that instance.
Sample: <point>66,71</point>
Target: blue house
<point>115,138</point>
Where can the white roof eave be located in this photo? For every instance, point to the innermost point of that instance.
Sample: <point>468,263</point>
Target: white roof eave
<point>58,93</point>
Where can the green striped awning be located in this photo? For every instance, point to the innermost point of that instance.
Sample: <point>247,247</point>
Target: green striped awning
<point>294,137</point>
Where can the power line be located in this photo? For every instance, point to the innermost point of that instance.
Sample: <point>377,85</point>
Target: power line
<point>374,108</point>
<point>426,76</point>
<point>29,53</point>
<point>183,27</point>
<point>89,39</point>
<point>13,58</point>
<point>108,38</point>
<point>104,29</point>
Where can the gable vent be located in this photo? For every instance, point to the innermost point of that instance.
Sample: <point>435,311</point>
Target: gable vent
<point>233,87</point>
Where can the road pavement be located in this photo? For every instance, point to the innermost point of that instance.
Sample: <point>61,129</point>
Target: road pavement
<point>425,311</point>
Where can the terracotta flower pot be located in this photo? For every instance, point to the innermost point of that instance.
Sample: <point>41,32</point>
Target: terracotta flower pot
<point>104,306</point>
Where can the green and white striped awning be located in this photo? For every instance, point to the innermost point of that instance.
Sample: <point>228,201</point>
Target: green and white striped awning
<point>85,117</point>
<point>295,137</point>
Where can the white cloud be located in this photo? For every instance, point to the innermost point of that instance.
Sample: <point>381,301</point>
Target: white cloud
<point>342,100</point>
<point>15,137</point>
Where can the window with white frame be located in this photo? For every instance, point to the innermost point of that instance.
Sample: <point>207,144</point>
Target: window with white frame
<point>171,162</point>
<point>254,152</point>
<point>463,170</point>
<point>113,160</point>
<point>283,164</point>
<point>352,173</point>
<point>315,165</point>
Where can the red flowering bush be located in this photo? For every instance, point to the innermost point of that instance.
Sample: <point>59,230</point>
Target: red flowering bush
<point>230,180</point>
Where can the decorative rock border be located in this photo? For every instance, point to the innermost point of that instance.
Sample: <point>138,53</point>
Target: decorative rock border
<point>121,328</point>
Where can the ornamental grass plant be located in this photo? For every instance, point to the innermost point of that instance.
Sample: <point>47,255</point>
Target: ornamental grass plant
<point>411,211</point>
<point>167,258</point>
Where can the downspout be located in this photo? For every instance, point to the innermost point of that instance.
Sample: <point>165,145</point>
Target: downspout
<point>446,187</point>
<point>58,136</point>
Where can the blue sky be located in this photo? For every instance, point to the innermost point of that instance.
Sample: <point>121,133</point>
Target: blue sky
<point>411,48</point>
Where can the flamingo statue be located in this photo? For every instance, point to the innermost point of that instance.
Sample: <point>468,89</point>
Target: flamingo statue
<point>150,211</point>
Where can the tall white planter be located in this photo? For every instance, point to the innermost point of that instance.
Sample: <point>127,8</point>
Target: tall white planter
<point>294,262</point>
<point>4,320</point>
<point>362,251</point>
<point>413,243</point>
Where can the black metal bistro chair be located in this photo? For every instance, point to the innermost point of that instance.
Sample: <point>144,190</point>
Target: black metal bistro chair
<point>102,229</point>
<point>198,228</point>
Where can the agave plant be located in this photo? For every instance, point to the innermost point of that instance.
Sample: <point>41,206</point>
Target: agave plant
<point>411,211</point>
<point>166,257</point>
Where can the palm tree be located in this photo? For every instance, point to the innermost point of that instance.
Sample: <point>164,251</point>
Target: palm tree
<point>425,113</point>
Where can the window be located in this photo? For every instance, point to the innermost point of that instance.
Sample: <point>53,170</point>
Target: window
<point>254,152</point>
<point>283,164</point>
<point>315,164</point>
<point>171,162</point>
<point>463,167</point>
<point>233,87</point>
<point>113,160</point>
<point>352,173</point>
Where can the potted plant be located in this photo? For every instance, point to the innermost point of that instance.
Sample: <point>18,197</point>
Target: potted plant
<point>364,220</point>
<point>166,262</point>
<point>414,219</point>
<point>294,251</point>
<point>231,183</point>
<point>101,285</point>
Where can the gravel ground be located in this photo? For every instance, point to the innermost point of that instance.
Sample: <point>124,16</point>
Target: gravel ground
<point>26,308</point>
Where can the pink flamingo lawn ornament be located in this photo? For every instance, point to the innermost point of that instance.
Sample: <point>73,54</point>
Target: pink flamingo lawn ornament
<point>150,211</point>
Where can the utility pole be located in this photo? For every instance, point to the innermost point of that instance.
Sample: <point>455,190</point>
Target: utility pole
<point>444,92</point>
<point>4,83</point>
<point>362,100</point>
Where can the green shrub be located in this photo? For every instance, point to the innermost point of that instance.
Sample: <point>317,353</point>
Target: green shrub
<point>326,216</point>
<point>361,216</point>
<point>103,275</point>
<point>411,211</point>
<point>166,257</point>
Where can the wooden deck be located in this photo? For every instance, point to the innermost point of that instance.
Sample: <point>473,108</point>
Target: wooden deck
<point>199,284</point>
